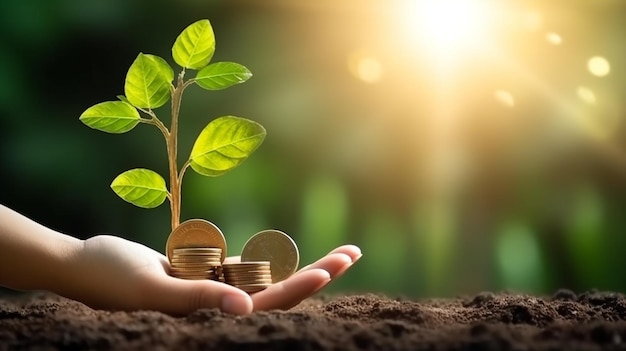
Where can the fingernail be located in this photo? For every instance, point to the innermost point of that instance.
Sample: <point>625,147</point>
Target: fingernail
<point>236,304</point>
<point>357,258</point>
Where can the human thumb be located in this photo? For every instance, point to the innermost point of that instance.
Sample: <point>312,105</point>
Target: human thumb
<point>177,296</point>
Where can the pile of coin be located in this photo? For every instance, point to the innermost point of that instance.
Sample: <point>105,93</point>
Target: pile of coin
<point>196,249</point>
<point>196,263</point>
<point>248,276</point>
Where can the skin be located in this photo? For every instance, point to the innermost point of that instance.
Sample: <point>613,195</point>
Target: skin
<point>108,272</point>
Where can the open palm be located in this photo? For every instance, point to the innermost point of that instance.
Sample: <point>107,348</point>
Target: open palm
<point>123,275</point>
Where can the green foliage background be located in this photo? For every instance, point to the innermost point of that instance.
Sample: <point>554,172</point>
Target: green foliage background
<point>344,161</point>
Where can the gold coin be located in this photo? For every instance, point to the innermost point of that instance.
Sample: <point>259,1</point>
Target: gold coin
<point>196,233</point>
<point>184,273</point>
<point>205,276</point>
<point>249,276</point>
<point>194,250</point>
<point>252,288</point>
<point>276,247</point>
<point>247,273</point>
<point>196,264</point>
<point>197,254</point>
<point>193,269</point>
<point>245,270</point>
<point>248,268</point>
<point>196,260</point>
<point>181,273</point>
<point>247,265</point>
<point>238,274</point>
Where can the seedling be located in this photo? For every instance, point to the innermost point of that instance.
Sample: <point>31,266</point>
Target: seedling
<point>221,146</point>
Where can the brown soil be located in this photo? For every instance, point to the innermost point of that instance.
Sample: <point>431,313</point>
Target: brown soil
<point>564,321</point>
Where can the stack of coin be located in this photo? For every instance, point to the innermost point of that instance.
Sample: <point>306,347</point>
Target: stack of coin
<point>250,277</point>
<point>196,263</point>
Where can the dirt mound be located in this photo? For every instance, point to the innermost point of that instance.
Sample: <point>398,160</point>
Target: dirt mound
<point>565,321</point>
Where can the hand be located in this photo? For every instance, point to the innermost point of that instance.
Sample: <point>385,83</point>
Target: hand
<point>114,273</point>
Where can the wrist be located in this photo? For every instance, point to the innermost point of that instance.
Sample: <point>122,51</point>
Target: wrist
<point>32,256</point>
<point>63,273</point>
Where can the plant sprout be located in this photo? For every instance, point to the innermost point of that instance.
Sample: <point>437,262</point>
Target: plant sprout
<point>221,146</point>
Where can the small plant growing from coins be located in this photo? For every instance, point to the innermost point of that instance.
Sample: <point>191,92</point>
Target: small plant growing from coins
<point>150,83</point>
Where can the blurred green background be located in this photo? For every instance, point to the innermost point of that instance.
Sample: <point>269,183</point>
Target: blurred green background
<point>464,145</point>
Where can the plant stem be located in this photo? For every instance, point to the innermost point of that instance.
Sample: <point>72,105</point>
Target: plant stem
<point>172,152</point>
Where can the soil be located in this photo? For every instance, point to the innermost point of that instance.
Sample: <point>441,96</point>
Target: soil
<point>564,321</point>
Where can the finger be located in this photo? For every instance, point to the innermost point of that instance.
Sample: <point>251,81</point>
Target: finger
<point>335,264</point>
<point>351,250</point>
<point>291,291</point>
<point>177,296</point>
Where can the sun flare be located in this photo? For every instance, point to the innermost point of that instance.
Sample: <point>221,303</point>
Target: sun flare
<point>446,25</point>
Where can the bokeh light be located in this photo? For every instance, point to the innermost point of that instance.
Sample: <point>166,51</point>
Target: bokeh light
<point>599,66</point>
<point>364,67</point>
<point>586,95</point>
<point>554,38</point>
<point>504,97</point>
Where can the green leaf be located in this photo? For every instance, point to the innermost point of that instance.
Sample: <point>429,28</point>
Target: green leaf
<point>224,144</point>
<point>195,46</point>
<point>148,81</point>
<point>123,98</point>
<point>141,187</point>
<point>221,75</point>
<point>111,117</point>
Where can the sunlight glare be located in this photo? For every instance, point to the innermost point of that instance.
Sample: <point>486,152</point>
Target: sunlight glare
<point>447,24</point>
<point>599,66</point>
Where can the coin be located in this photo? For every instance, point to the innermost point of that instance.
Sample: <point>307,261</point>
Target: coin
<point>189,271</point>
<point>196,233</point>
<point>211,257</point>
<point>248,265</point>
<point>276,247</point>
<point>255,272</point>
<point>197,254</point>
<point>252,288</point>
<point>248,276</point>
<point>196,263</point>
<point>249,281</point>
<point>250,268</point>
<point>205,261</point>
<point>194,268</point>
<point>190,250</point>
<point>232,279</point>
<point>176,261</point>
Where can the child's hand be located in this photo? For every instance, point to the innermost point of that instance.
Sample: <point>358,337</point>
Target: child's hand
<point>114,273</point>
